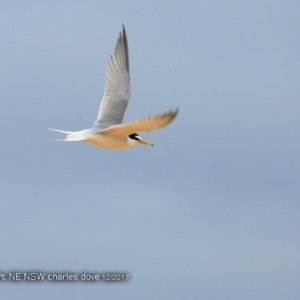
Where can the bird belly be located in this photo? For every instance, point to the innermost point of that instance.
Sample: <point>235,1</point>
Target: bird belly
<point>107,142</point>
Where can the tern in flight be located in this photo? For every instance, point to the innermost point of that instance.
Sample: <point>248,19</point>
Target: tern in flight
<point>108,131</point>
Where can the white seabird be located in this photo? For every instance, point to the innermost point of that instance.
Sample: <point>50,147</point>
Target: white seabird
<point>108,130</point>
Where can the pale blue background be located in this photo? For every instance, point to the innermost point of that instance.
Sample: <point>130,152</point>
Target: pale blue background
<point>212,211</point>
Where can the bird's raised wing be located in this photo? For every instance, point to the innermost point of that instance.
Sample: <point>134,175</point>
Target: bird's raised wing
<point>117,90</point>
<point>150,123</point>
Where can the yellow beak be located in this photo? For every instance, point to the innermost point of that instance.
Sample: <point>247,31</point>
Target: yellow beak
<point>145,143</point>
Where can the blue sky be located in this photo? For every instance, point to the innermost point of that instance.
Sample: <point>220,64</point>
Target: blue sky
<point>210,212</point>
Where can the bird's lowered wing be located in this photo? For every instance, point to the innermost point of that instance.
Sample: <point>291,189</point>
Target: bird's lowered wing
<point>150,123</point>
<point>117,90</point>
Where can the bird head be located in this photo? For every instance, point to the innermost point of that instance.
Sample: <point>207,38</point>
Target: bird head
<point>138,140</point>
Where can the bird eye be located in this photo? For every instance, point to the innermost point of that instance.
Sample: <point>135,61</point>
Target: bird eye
<point>134,136</point>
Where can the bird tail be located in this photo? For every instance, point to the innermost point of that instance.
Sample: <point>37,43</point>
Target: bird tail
<point>71,136</point>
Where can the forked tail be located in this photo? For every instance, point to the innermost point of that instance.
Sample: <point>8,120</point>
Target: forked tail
<point>71,136</point>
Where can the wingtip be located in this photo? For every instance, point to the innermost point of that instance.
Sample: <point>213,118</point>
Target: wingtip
<point>175,113</point>
<point>123,30</point>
